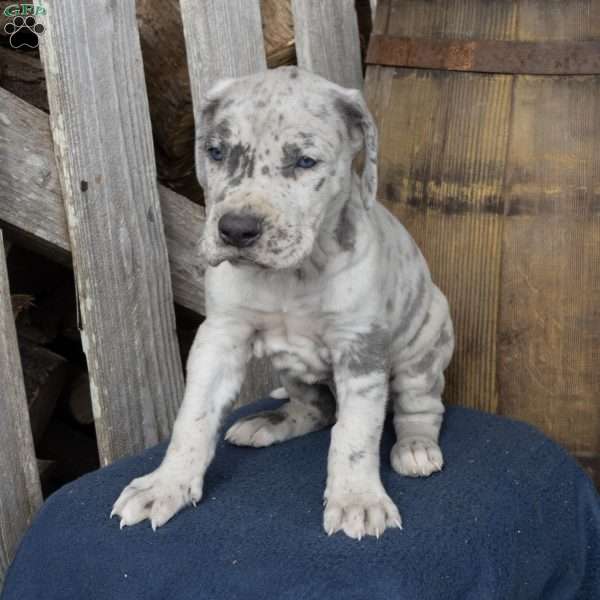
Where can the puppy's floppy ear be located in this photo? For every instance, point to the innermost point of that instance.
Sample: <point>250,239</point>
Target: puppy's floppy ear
<point>358,119</point>
<point>205,119</point>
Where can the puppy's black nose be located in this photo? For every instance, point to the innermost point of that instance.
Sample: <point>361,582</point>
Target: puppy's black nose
<point>239,230</point>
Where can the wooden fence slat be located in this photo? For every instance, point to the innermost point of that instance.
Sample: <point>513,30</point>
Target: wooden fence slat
<point>327,40</point>
<point>225,39</point>
<point>31,201</point>
<point>20,494</point>
<point>30,195</point>
<point>103,144</point>
<point>222,39</point>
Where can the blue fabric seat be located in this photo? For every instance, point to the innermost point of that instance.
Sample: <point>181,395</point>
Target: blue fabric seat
<point>511,516</point>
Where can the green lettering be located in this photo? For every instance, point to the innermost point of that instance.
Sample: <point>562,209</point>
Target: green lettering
<point>24,9</point>
<point>12,10</point>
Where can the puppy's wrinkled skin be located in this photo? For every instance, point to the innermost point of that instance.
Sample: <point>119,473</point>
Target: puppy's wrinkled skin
<point>333,289</point>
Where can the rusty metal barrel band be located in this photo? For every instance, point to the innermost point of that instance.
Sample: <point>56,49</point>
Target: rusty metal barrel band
<point>563,57</point>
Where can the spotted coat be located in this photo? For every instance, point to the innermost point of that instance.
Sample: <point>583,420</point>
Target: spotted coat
<point>334,290</point>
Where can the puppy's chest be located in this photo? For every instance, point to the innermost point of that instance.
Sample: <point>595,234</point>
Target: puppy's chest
<point>295,347</point>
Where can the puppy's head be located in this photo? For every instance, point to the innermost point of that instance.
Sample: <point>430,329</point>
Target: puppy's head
<point>274,154</point>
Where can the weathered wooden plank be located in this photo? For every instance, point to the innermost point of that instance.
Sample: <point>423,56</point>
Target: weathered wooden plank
<point>327,40</point>
<point>184,226</point>
<point>103,143</point>
<point>20,494</point>
<point>224,39</point>
<point>31,200</point>
<point>549,320</point>
<point>30,195</point>
<point>565,20</point>
<point>460,19</point>
<point>563,57</point>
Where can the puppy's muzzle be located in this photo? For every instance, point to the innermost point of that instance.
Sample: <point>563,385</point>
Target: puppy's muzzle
<point>239,230</point>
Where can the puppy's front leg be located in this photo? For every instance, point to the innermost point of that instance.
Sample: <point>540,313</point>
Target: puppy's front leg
<point>355,500</point>
<point>215,371</point>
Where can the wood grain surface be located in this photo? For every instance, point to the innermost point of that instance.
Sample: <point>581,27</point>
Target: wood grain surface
<point>103,144</point>
<point>327,40</point>
<point>20,493</point>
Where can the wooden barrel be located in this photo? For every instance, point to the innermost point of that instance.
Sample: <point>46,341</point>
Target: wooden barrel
<point>497,176</point>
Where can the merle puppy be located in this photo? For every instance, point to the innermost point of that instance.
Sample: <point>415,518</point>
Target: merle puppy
<point>306,268</point>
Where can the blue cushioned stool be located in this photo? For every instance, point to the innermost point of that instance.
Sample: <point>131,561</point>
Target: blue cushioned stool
<point>511,516</point>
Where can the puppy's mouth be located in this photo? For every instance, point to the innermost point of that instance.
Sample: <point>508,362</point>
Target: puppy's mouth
<point>226,254</point>
<point>265,255</point>
<point>241,260</point>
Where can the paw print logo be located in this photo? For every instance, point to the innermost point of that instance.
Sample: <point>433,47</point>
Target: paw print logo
<point>24,32</point>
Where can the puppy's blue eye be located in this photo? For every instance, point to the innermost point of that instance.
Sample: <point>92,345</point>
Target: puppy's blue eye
<point>215,153</point>
<point>306,162</point>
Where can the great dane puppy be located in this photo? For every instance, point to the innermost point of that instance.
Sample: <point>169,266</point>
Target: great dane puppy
<point>306,268</point>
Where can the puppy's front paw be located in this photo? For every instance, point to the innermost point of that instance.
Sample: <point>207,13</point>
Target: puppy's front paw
<point>260,430</point>
<point>156,497</point>
<point>416,457</point>
<point>360,514</point>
